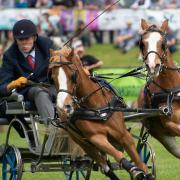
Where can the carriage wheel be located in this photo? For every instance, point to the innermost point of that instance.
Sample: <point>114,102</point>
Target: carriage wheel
<point>12,164</point>
<point>148,156</point>
<point>79,174</point>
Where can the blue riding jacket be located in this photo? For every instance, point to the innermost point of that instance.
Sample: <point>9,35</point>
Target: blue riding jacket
<point>15,65</point>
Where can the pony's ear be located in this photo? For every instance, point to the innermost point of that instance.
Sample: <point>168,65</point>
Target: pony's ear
<point>164,26</point>
<point>144,24</point>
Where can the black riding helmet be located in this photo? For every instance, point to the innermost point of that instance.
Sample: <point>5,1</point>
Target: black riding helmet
<point>24,28</point>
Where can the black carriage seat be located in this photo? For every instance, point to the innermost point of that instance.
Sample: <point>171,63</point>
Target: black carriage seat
<point>23,107</point>
<point>14,105</point>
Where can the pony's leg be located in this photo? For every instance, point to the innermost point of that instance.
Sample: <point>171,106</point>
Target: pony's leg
<point>100,141</point>
<point>94,153</point>
<point>128,143</point>
<point>173,127</point>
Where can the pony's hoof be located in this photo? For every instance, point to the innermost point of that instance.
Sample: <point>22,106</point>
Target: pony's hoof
<point>137,174</point>
<point>150,177</point>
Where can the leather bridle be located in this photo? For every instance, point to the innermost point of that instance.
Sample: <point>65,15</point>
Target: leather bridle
<point>163,56</point>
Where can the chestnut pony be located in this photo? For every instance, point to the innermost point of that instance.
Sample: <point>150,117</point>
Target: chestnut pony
<point>162,88</point>
<point>76,90</point>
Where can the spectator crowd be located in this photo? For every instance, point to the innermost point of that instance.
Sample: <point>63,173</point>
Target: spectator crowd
<point>91,4</point>
<point>124,38</point>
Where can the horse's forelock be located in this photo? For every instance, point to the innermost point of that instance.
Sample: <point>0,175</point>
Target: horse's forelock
<point>66,51</point>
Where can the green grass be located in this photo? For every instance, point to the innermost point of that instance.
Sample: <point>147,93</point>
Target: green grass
<point>167,165</point>
<point>113,57</point>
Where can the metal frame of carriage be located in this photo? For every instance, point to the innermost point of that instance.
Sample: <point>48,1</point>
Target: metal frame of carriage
<point>39,154</point>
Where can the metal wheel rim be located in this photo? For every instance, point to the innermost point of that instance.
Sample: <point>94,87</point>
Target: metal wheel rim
<point>12,157</point>
<point>151,158</point>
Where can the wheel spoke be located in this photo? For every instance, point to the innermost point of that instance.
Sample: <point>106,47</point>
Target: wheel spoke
<point>12,164</point>
<point>9,160</point>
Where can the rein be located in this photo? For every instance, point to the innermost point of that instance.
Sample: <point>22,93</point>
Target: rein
<point>170,68</point>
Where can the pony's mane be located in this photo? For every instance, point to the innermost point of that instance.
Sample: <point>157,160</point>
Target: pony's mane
<point>66,51</point>
<point>55,54</point>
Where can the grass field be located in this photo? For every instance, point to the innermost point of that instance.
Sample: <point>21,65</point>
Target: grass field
<point>167,165</point>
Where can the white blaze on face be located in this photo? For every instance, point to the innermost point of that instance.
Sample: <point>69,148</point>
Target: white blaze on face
<point>152,41</point>
<point>62,85</point>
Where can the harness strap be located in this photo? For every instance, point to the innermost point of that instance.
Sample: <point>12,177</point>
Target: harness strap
<point>97,114</point>
<point>168,95</point>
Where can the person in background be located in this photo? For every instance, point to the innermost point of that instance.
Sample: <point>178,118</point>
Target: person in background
<point>47,25</point>
<point>126,38</point>
<point>141,4</point>
<point>8,40</point>
<point>1,53</point>
<point>21,4</point>
<point>84,35</point>
<point>171,40</point>
<point>27,61</point>
<point>171,4</point>
<point>89,62</point>
<point>43,4</point>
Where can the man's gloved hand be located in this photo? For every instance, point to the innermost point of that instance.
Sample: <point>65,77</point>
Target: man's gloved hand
<point>20,82</point>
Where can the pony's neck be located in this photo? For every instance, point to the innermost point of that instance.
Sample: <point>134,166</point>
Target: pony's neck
<point>86,86</point>
<point>169,78</point>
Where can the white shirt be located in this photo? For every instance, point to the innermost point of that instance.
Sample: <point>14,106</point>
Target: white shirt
<point>32,54</point>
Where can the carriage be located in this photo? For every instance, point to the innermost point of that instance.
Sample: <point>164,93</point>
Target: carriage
<point>52,151</point>
<point>42,155</point>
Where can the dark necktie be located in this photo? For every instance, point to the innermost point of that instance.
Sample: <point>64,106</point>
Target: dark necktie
<point>30,61</point>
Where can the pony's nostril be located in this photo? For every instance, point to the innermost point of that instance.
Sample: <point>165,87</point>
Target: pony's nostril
<point>157,69</point>
<point>147,67</point>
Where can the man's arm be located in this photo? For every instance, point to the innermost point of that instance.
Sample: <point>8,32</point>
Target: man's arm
<point>6,76</point>
<point>96,65</point>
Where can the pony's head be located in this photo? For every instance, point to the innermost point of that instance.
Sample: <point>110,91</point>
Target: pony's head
<point>64,65</point>
<point>153,46</point>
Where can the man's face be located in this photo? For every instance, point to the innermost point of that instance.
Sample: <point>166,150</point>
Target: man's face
<point>80,51</point>
<point>26,44</point>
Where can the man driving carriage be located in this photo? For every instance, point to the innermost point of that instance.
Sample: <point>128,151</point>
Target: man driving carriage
<point>25,64</point>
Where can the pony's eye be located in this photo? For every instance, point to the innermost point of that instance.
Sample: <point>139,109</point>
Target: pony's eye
<point>163,46</point>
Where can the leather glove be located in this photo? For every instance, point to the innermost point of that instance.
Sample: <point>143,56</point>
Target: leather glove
<point>20,82</point>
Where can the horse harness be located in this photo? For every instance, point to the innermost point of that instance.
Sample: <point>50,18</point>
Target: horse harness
<point>85,113</point>
<point>165,95</point>
<point>103,113</point>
